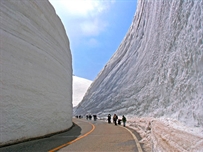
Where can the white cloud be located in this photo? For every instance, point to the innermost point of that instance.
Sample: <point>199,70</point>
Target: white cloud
<point>93,42</point>
<point>93,27</point>
<point>82,17</point>
<point>82,8</point>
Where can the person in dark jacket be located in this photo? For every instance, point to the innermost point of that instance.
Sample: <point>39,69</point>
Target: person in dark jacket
<point>109,118</point>
<point>95,117</point>
<point>124,120</point>
<point>119,121</point>
<point>115,118</point>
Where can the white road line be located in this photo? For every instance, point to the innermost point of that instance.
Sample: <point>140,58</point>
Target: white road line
<point>136,140</point>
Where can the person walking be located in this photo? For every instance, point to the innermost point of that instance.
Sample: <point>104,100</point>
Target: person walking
<point>115,118</point>
<point>95,117</point>
<point>124,120</point>
<point>109,118</point>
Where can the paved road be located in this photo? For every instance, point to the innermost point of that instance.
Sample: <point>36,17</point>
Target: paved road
<point>84,136</point>
<point>104,137</point>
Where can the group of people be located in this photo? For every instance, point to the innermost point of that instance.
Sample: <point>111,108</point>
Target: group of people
<point>79,116</point>
<point>90,117</point>
<point>115,119</point>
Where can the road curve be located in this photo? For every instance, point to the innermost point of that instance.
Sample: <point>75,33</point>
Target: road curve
<point>83,136</point>
<point>101,137</point>
<point>50,142</point>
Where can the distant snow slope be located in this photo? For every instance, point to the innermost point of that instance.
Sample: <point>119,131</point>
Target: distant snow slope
<point>80,86</point>
<point>35,71</point>
<point>157,70</point>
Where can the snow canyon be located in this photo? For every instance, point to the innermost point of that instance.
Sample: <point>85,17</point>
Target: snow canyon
<point>36,71</point>
<point>155,77</point>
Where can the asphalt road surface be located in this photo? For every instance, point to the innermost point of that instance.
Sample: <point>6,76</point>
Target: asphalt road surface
<point>85,135</point>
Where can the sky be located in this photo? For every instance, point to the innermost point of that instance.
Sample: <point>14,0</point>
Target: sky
<point>95,29</point>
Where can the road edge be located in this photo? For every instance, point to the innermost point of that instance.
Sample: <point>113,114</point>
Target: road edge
<point>135,138</point>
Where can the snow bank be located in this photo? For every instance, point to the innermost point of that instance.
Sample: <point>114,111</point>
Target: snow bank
<point>36,71</point>
<point>160,135</point>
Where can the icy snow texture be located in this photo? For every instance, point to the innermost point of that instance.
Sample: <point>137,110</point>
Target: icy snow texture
<point>160,135</point>
<point>157,70</point>
<point>157,73</point>
<point>36,71</point>
<point>80,86</point>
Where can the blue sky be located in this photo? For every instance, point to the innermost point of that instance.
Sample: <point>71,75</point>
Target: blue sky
<point>95,29</point>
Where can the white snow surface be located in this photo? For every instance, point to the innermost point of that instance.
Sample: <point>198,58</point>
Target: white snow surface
<point>160,135</point>
<point>157,74</point>
<point>36,71</point>
<point>80,86</point>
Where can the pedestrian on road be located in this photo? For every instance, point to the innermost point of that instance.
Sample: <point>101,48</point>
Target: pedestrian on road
<point>109,118</point>
<point>95,117</point>
<point>124,120</point>
<point>119,121</point>
<point>90,117</point>
<point>115,118</point>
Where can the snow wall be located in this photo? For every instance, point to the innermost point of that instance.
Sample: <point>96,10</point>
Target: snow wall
<point>36,71</point>
<point>157,70</point>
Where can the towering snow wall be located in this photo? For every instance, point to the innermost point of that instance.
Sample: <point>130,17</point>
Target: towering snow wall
<point>36,71</point>
<point>157,70</point>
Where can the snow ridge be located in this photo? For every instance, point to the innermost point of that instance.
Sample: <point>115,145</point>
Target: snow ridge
<point>156,77</point>
<point>157,70</point>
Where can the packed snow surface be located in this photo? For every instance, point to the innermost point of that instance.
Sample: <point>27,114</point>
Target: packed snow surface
<point>157,71</point>
<point>36,71</point>
<point>80,86</point>
<point>160,135</point>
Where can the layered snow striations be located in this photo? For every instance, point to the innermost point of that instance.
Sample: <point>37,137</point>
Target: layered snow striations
<point>158,68</point>
<point>157,71</point>
<point>36,72</point>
